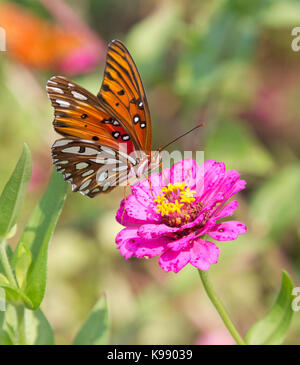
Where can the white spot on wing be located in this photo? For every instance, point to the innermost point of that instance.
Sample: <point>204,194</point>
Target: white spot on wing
<point>81,165</point>
<point>87,173</point>
<point>71,150</point>
<point>55,89</point>
<point>106,186</point>
<point>61,142</point>
<point>63,103</point>
<point>85,184</point>
<point>85,192</point>
<point>78,95</point>
<point>101,177</point>
<point>89,151</point>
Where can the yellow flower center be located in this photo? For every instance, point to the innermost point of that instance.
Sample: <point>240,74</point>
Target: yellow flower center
<point>177,204</point>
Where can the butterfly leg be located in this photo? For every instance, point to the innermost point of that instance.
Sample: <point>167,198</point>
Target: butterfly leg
<point>163,175</point>
<point>150,187</point>
<point>125,200</point>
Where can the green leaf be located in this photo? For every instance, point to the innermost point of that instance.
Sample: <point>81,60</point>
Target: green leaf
<point>12,232</point>
<point>4,335</point>
<point>37,328</point>
<point>24,260</point>
<point>95,331</point>
<point>14,192</point>
<point>3,279</point>
<point>272,328</point>
<point>16,295</point>
<point>37,235</point>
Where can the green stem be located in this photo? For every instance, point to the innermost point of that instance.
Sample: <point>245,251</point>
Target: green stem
<point>21,325</point>
<point>6,265</point>
<point>220,308</point>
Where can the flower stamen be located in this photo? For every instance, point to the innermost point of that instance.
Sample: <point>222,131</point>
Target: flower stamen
<point>177,204</point>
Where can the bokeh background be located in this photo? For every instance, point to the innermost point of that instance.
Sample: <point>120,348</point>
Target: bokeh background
<point>228,63</point>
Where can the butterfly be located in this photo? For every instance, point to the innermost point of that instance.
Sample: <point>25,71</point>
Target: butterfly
<point>107,138</point>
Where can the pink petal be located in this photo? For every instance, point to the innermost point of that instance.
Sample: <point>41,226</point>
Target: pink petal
<point>127,242</point>
<point>181,243</point>
<point>174,260</point>
<point>141,190</point>
<point>239,185</point>
<point>227,210</point>
<point>213,173</point>
<point>135,213</point>
<point>230,179</point>
<point>184,171</point>
<point>130,244</point>
<point>156,184</point>
<point>145,193</point>
<point>203,254</point>
<point>149,231</point>
<point>227,231</point>
<point>151,248</point>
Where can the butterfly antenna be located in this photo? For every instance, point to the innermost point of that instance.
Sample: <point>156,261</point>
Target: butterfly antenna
<point>184,134</point>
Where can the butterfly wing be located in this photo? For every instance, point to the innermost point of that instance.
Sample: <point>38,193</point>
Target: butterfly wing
<point>123,96</point>
<point>88,130</point>
<point>79,114</point>
<point>100,132</point>
<point>90,167</point>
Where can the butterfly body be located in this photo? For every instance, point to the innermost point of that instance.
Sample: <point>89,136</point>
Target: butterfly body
<point>107,138</point>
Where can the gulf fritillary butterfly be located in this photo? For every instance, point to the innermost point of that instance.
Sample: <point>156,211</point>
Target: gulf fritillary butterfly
<point>107,138</point>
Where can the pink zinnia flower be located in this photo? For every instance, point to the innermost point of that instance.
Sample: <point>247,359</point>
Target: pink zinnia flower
<point>173,220</point>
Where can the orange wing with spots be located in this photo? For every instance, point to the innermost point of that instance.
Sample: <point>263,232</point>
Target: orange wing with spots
<point>100,131</point>
<point>122,94</point>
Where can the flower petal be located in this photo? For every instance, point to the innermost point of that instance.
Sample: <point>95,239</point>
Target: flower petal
<point>130,244</point>
<point>213,174</point>
<point>149,231</point>
<point>184,171</point>
<point>127,242</point>
<point>227,210</point>
<point>144,192</point>
<point>227,231</point>
<point>203,254</point>
<point>174,260</point>
<point>181,243</point>
<point>132,213</point>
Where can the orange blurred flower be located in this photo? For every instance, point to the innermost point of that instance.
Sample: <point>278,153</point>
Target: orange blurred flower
<point>40,44</point>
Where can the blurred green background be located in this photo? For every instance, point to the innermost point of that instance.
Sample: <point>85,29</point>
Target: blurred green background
<point>228,63</point>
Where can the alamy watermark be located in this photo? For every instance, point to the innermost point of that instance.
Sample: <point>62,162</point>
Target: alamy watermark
<point>296,41</point>
<point>117,168</point>
<point>2,39</point>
